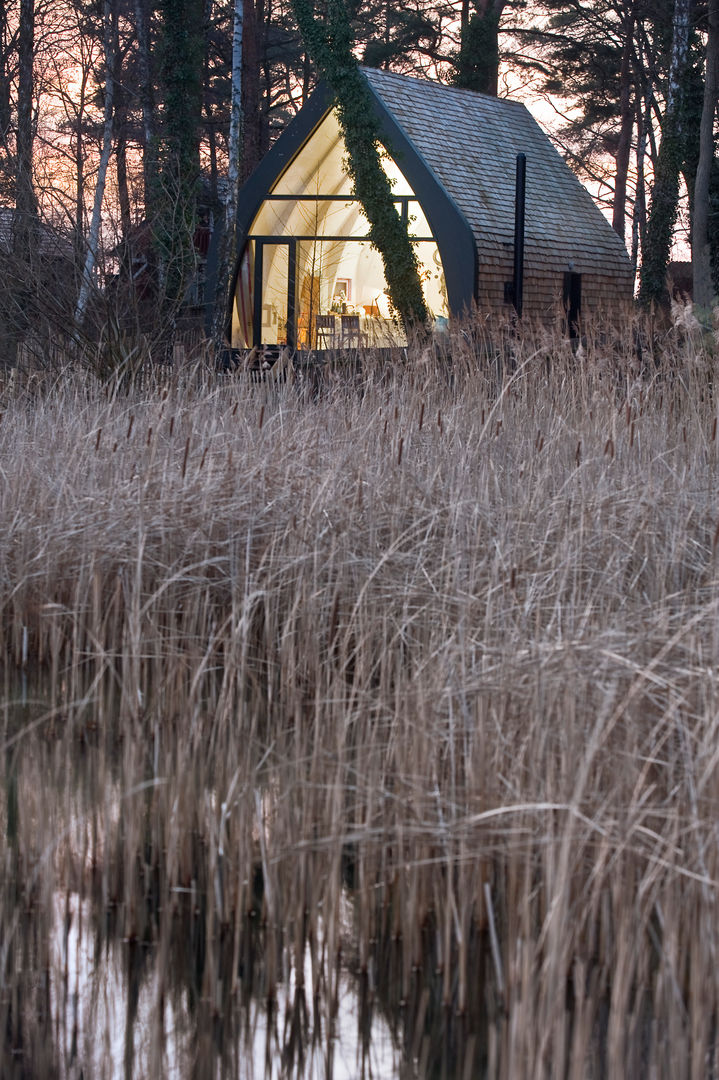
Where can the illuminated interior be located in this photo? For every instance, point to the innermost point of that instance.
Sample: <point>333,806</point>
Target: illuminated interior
<point>308,277</point>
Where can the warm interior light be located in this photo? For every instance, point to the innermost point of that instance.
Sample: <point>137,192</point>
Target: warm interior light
<point>336,270</point>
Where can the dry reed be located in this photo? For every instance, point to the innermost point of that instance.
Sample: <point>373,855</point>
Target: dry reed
<point>412,675</point>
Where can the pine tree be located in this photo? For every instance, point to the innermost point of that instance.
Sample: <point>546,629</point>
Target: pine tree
<point>477,62</point>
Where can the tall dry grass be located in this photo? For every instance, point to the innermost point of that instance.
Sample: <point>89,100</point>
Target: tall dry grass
<point>412,674</point>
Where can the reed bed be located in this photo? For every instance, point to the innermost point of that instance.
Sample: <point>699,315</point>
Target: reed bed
<point>408,676</point>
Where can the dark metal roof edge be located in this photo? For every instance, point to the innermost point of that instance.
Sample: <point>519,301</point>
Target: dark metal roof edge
<point>280,156</point>
<point>270,169</point>
<point>450,228</point>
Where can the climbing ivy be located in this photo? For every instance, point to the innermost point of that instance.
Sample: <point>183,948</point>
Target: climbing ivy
<point>675,154</point>
<point>660,227</point>
<point>330,46</point>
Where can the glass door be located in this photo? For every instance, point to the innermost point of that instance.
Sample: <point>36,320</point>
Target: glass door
<point>274,321</point>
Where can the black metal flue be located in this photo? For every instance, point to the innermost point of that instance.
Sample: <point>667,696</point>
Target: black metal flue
<point>519,201</point>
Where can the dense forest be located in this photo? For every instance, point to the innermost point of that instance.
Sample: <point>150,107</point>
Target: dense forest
<point>127,127</point>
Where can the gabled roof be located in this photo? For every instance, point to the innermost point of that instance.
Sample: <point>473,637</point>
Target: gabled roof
<point>48,243</point>
<point>470,142</point>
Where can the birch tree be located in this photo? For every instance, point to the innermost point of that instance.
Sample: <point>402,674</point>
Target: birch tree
<point>704,288</point>
<point>228,247</point>
<point>93,240</point>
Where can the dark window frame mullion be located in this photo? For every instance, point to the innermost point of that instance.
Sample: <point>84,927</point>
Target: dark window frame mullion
<point>333,198</point>
<point>257,297</point>
<point>268,239</point>
<point>292,294</point>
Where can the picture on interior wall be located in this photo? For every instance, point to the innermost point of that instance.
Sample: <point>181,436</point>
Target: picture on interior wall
<point>343,290</point>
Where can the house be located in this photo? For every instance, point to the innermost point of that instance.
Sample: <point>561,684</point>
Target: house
<point>48,243</point>
<point>306,275</point>
<point>38,270</point>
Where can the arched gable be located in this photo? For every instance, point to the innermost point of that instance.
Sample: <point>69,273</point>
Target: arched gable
<point>299,196</point>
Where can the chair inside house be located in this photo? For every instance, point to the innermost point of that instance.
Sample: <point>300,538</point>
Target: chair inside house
<point>350,330</point>
<point>325,328</point>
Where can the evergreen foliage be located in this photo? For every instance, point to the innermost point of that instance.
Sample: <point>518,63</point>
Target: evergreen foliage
<point>477,63</point>
<point>406,34</point>
<point>660,227</point>
<point>578,54</point>
<point>609,60</point>
<point>330,46</point>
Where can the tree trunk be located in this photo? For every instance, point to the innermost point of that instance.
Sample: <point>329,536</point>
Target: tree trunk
<point>5,83</point>
<point>174,225</point>
<point>665,195</point>
<point>123,187</point>
<point>214,199</point>
<point>149,156</point>
<point>477,64</point>
<point>624,147</point>
<point>704,292</point>
<point>210,198</point>
<point>25,201</point>
<point>234,146</point>
<point>110,38</point>
<point>79,224</point>
<point>252,32</point>
<point>16,305</point>
<point>264,17</point>
<point>639,217</point>
<point>228,247</point>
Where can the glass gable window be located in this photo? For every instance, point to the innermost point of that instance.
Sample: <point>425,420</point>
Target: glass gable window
<point>309,277</point>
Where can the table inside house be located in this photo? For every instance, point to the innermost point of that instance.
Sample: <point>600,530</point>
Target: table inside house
<point>361,327</point>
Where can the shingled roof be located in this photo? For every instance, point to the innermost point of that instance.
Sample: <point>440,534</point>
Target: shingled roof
<point>470,142</point>
<point>47,242</point>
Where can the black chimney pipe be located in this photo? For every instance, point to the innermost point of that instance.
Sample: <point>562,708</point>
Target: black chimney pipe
<point>519,201</point>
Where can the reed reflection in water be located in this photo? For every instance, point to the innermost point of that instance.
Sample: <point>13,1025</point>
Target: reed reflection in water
<point>114,972</point>
<point>113,1019</point>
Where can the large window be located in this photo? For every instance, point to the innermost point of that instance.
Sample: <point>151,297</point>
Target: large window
<point>309,277</point>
